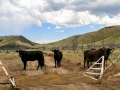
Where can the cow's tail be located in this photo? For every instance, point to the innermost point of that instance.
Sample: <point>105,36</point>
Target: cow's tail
<point>42,61</point>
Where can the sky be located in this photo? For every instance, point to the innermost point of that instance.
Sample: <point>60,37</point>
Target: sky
<point>45,21</point>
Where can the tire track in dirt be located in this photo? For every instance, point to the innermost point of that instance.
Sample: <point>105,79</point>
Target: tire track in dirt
<point>51,64</point>
<point>32,69</point>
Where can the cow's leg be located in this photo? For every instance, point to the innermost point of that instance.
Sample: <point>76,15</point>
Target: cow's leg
<point>87,63</point>
<point>41,64</point>
<point>105,63</point>
<point>84,62</point>
<point>91,63</point>
<point>38,64</point>
<point>25,65</point>
<point>59,63</point>
<point>55,63</point>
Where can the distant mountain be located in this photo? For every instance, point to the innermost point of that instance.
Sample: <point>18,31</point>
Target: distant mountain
<point>16,42</point>
<point>107,35</point>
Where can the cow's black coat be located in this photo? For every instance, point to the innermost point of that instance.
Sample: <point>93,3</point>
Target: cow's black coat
<point>57,57</point>
<point>31,56</point>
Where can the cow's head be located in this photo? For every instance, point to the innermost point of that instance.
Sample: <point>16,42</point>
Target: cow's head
<point>55,51</point>
<point>103,51</point>
<point>20,52</point>
<point>108,52</point>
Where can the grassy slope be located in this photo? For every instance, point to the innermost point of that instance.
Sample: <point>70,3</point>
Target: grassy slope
<point>108,34</point>
<point>16,40</point>
<point>8,40</point>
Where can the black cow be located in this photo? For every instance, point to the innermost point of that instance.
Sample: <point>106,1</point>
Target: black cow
<point>31,56</point>
<point>57,57</point>
<point>108,52</point>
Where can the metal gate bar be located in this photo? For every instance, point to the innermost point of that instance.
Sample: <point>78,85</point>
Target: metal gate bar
<point>92,68</point>
<point>113,62</point>
<point>10,78</point>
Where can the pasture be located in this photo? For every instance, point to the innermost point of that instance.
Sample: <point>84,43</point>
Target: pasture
<point>68,77</point>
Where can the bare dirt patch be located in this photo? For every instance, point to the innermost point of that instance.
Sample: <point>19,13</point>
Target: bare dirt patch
<point>57,81</point>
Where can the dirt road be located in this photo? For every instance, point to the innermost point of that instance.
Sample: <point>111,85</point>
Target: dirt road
<point>49,68</point>
<point>51,78</point>
<point>50,63</point>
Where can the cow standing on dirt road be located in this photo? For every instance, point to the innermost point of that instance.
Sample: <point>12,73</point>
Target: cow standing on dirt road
<point>57,57</point>
<point>31,56</point>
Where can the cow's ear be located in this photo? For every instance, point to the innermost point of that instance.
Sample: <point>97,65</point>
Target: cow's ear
<point>52,50</point>
<point>57,50</point>
<point>17,50</point>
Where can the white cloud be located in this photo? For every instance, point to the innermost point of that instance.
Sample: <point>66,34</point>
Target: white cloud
<point>44,41</point>
<point>60,31</point>
<point>48,27</point>
<point>57,27</point>
<point>18,14</point>
<point>92,26</point>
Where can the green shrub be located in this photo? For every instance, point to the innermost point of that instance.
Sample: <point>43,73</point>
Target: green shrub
<point>79,63</point>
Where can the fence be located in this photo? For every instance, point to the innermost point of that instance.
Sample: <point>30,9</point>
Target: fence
<point>9,77</point>
<point>91,72</point>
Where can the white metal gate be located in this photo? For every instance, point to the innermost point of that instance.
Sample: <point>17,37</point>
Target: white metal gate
<point>96,73</point>
<point>93,72</point>
<point>113,62</point>
<point>10,78</point>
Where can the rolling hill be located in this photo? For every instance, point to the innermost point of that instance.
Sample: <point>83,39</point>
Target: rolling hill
<point>106,36</point>
<point>16,42</point>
